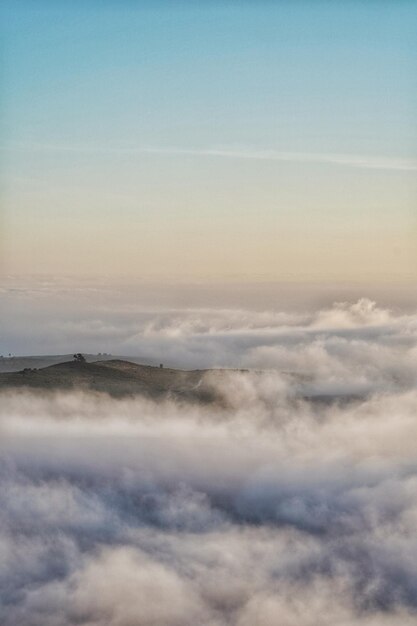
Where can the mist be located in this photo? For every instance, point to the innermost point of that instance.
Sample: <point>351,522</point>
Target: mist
<point>201,326</point>
<point>293,502</point>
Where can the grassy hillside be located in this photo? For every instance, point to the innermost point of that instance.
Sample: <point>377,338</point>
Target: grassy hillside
<point>116,377</point>
<point>121,378</point>
<point>18,363</point>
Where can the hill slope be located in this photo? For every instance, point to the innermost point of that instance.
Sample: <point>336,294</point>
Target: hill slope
<point>116,377</point>
<point>18,363</point>
<point>120,378</point>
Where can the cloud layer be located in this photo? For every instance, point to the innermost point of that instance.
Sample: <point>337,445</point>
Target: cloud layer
<point>294,503</point>
<point>183,327</point>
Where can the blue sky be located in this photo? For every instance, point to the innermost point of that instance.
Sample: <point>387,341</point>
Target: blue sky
<point>150,121</point>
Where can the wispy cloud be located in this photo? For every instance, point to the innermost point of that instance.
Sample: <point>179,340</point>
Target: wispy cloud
<point>350,160</point>
<point>361,161</point>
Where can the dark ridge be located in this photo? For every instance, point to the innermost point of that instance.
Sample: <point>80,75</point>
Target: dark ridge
<point>115,377</point>
<point>120,378</point>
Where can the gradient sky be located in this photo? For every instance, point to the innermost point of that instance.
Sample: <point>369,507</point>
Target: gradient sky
<point>210,140</point>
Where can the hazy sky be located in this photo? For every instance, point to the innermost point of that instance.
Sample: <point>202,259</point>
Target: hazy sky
<point>210,140</point>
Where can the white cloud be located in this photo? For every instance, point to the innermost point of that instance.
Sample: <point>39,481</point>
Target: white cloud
<point>361,161</point>
<point>292,503</point>
<point>275,510</point>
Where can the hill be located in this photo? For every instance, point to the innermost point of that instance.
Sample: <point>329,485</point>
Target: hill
<point>121,378</point>
<point>115,377</point>
<point>18,363</point>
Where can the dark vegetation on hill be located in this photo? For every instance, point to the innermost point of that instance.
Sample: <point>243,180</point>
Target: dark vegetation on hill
<point>120,378</point>
<point>117,378</point>
<point>18,363</point>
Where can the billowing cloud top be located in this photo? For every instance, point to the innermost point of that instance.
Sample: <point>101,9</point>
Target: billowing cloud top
<point>294,503</point>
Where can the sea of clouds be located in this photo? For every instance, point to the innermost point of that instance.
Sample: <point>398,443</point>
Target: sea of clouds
<point>292,504</point>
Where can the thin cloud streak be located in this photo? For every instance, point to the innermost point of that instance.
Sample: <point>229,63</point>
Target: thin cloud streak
<point>348,160</point>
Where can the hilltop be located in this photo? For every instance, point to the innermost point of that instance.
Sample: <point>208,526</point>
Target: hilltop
<point>18,363</point>
<point>115,377</point>
<point>120,378</point>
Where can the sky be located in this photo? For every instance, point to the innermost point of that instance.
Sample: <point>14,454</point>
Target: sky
<point>209,141</point>
<point>210,184</point>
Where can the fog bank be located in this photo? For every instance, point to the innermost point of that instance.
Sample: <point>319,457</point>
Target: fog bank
<point>274,510</point>
<point>292,503</point>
